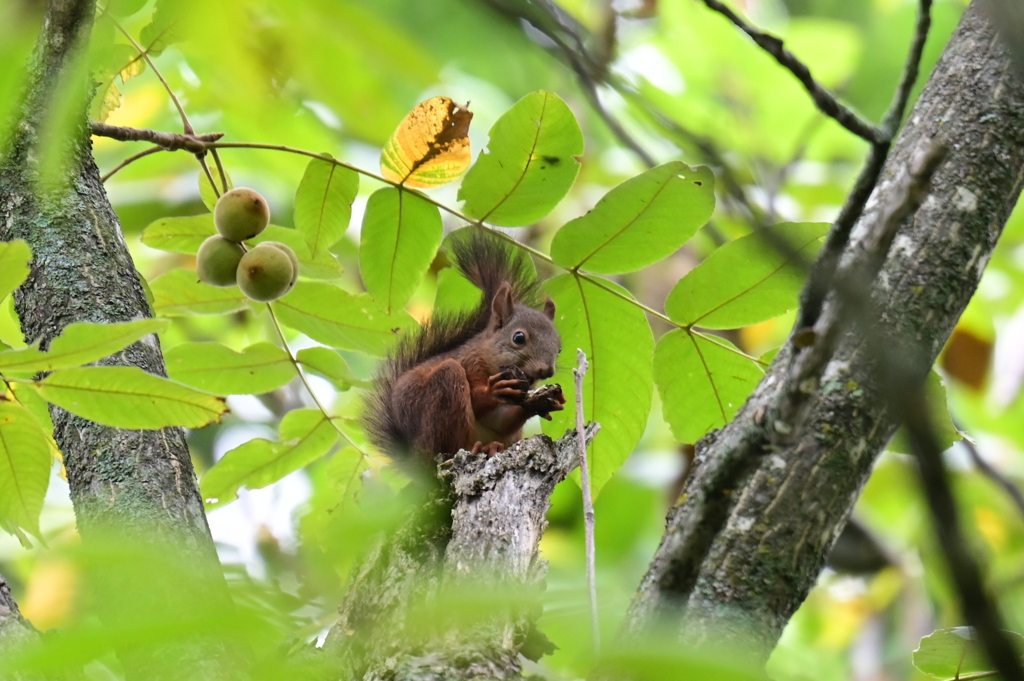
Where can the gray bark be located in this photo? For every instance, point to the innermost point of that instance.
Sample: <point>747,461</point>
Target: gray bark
<point>15,632</point>
<point>455,592</point>
<point>739,562</point>
<point>138,486</point>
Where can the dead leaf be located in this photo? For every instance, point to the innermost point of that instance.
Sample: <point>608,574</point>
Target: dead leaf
<point>967,358</point>
<point>430,146</point>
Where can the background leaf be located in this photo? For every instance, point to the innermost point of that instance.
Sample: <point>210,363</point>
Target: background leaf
<point>619,384</point>
<point>398,240</point>
<point>24,467</point>
<point>179,292</point>
<point>79,343</point>
<point>14,259</point>
<point>305,434</point>
<point>206,192</point>
<point>180,234</point>
<point>128,397</point>
<point>747,280</point>
<point>323,203</point>
<point>946,434</point>
<point>529,165</point>
<point>216,368</point>
<point>702,383</point>
<point>328,364</point>
<point>329,315</point>
<point>641,221</point>
<point>947,653</point>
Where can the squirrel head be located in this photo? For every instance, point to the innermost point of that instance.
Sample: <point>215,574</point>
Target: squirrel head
<point>523,336</point>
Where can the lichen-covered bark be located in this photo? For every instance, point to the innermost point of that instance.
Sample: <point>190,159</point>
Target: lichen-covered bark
<point>798,454</point>
<point>453,594</point>
<point>139,485</point>
<point>15,632</point>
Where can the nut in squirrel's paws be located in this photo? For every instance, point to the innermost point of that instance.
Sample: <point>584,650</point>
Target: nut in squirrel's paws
<point>545,399</point>
<point>510,384</point>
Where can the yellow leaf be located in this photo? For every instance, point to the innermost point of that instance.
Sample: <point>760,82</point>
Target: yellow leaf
<point>109,102</point>
<point>430,146</point>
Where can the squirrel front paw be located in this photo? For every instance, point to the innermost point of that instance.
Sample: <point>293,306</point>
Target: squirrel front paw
<point>510,384</point>
<point>544,400</point>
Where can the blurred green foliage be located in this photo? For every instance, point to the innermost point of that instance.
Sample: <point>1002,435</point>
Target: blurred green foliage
<point>336,76</point>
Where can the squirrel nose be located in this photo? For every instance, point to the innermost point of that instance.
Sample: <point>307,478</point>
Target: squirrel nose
<point>548,372</point>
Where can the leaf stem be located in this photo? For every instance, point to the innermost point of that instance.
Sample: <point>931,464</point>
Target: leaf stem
<point>305,383</point>
<point>540,255</point>
<point>144,53</point>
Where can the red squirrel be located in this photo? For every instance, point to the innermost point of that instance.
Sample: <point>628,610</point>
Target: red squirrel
<point>463,380</point>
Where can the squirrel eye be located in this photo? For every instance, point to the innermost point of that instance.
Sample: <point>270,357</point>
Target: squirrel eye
<point>519,338</point>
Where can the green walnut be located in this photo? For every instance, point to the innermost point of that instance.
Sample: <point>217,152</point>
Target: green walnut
<point>217,261</point>
<point>291,256</point>
<point>241,214</point>
<point>265,274</point>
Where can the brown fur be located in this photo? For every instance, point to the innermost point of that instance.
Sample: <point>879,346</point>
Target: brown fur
<point>461,381</point>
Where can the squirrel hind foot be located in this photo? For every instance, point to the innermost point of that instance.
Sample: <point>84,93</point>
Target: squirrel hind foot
<point>489,449</point>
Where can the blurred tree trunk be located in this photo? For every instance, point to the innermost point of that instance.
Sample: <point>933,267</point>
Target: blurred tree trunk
<point>136,485</point>
<point>772,490</point>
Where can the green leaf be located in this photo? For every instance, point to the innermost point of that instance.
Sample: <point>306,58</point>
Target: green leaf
<point>14,259</point>
<point>942,423</point>
<point>620,384</point>
<point>702,382</point>
<point>529,165</point>
<point>331,316</point>
<point>78,344</point>
<point>329,364</point>
<point>955,652</point>
<point>748,280</point>
<point>306,435</point>
<point>641,221</point>
<point>179,293</point>
<point>323,203</point>
<point>218,369</point>
<point>179,235</point>
<point>168,26</point>
<point>24,467</point>
<point>206,192</point>
<point>455,292</point>
<point>398,240</point>
<point>128,397</point>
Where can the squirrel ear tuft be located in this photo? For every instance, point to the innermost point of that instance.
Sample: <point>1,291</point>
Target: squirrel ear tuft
<point>549,308</point>
<point>501,306</point>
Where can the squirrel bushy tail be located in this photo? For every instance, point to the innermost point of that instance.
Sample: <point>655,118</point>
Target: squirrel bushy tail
<point>487,261</point>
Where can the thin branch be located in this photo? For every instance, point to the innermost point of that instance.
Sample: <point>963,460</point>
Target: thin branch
<point>305,383</point>
<point>820,280</point>
<point>823,99</point>
<point>588,503</point>
<point>130,160</point>
<point>976,604</point>
<point>894,116</point>
<point>170,141</point>
<point>144,52</point>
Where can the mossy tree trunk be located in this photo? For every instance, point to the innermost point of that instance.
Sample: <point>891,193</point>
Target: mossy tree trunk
<point>136,486</point>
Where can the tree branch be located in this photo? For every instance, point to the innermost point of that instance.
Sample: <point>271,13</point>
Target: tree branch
<point>455,587</point>
<point>823,99</point>
<point>170,141</point>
